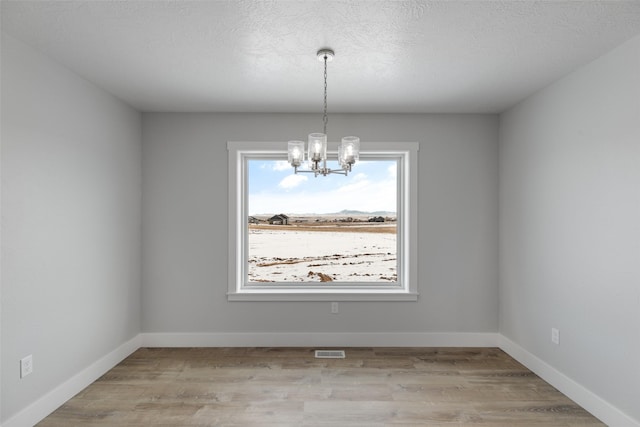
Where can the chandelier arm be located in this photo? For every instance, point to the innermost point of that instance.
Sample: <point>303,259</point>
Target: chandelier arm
<point>322,171</point>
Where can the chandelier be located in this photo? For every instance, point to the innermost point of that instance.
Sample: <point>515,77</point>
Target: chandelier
<point>348,151</point>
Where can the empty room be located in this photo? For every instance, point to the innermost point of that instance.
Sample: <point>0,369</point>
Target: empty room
<point>320,213</point>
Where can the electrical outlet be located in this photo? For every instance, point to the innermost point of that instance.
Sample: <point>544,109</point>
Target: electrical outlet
<point>334,308</point>
<point>555,336</point>
<point>26,366</point>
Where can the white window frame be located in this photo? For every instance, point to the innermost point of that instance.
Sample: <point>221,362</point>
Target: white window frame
<point>405,289</point>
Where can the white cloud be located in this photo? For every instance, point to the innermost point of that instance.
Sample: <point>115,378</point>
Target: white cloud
<point>358,185</point>
<point>393,170</point>
<point>281,165</point>
<point>292,181</point>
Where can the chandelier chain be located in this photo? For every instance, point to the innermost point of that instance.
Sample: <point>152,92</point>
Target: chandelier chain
<point>325,118</point>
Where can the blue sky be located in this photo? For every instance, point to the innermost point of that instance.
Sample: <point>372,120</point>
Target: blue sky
<point>274,188</point>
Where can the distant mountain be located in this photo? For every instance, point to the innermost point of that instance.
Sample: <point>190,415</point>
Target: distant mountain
<point>344,212</point>
<point>354,212</point>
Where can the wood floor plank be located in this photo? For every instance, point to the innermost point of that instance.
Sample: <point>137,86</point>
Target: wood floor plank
<point>282,387</point>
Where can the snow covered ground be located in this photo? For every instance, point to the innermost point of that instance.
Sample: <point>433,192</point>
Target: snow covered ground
<point>313,256</point>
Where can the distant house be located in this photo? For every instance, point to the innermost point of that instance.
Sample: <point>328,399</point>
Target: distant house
<point>253,220</point>
<point>376,219</point>
<point>280,219</point>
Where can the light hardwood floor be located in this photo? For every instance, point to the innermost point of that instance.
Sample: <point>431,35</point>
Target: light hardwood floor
<point>288,387</point>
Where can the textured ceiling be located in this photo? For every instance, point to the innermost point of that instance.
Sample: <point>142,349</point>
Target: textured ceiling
<point>259,56</point>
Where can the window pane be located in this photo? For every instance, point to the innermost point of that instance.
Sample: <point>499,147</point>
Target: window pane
<point>326,229</point>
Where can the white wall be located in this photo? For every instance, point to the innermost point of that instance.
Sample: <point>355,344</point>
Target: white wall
<point>570,226</point>
<point>569,230</point>
<point>71,159</point>
<point>185,225</point>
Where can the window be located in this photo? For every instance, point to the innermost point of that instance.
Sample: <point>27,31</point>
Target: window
<point>335,238</point>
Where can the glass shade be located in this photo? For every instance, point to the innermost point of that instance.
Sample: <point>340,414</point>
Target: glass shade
<point>296,153</point>
<point>341,157</point>
<point>317,147</point>
<point>349,150</point>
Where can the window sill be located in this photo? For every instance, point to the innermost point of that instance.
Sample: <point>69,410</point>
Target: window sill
<point>333,295</point>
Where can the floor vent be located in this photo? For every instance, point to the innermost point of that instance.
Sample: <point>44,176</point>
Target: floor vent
<point>330,354</point>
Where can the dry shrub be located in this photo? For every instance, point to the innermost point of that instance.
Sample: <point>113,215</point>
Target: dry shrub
<point>323,277</point>
<point>339,228</point>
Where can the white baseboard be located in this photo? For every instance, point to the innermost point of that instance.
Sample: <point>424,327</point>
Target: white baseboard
<point>48,403</point>
<point>597,406</point>
<point>384,339</point>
